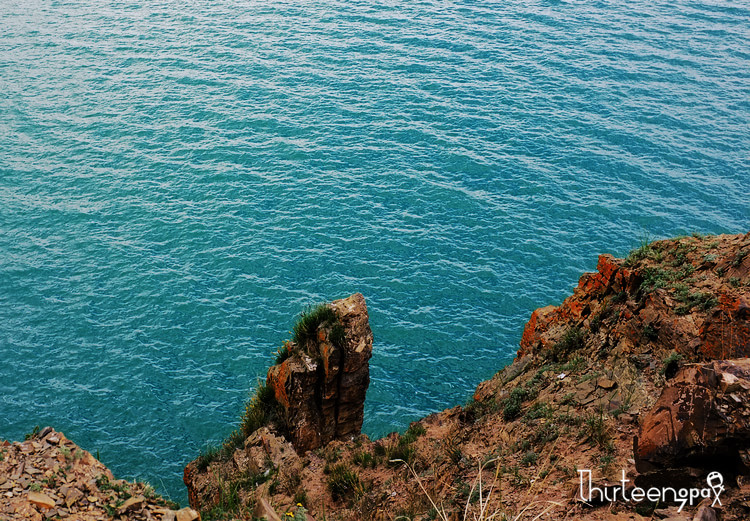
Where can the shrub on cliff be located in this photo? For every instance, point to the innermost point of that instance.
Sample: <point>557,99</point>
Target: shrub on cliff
<point>305,330</point>
<point>571,341</point>
<point>261,410</point>
<point>344,483</point>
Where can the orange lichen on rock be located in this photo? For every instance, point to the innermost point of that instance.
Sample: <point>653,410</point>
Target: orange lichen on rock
<point>277,378</point>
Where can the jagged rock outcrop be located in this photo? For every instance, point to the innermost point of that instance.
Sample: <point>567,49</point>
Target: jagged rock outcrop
<point>50,477</point>
<point>690,295</point>
<point>701,419</point>
<point>317,394</point>
<point>322,388</point>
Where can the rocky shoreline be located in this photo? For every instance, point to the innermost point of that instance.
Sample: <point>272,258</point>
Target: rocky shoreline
<point>639,378</point>
<point>47,476</point>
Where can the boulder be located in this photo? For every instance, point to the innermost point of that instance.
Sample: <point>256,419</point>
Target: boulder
<point>266,452</point>
<point>186,514</point>
<point>702,419</point>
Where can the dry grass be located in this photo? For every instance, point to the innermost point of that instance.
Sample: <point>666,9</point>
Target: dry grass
<point>490,505</point>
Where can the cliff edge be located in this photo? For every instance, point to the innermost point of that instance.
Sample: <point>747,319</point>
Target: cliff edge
<point>638,380</point>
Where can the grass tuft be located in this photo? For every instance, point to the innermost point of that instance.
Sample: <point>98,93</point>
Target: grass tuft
<point>571,341</point>
<point>512,407</point>
<point>305,330</point>
<point>344,483</point>
<point>261,410</point>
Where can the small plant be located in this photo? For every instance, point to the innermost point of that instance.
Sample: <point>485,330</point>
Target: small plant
<point>284,352</point>
<point>739,258</point>
<point>104,484</point>
<point>149,492</point>
<point>305,330</point>
<point>650,332</point>
<point>608,458</point>
<point>300,513</point>
<point>671,364</point>
<point>529,459</point>
<point>476,409</point>
<point>452,447</point>
<point>364,459</point>
<point>300,497</point>
<point>574,365</point>
<point>568,399</point>
<point>32,434</point>
<point>569,419</point>
<point>594,429</point>
<point>344,483</point>
<point>332,455</point>
<point>704,301</point>
<point>655,278</point>
<point>539,410</point>
<point>414,431</point>
<point>35,487</point>
<point>65,451</point>
<point>206,457</point>
<point>643,251</point>
<point>402,451</point>
<point>546,433</point>
<point>467,493</point>
<point>620,297</point>
<point>260,410</point>
<point>627,402</point>
<point>229,504</point>
<point>512,406</point>
<point>571,341</point>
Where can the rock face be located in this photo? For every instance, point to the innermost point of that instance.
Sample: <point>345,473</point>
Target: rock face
<point>320,392</point>
<point>702,419</point>
<point>691,297</point>
<point>323,395</point>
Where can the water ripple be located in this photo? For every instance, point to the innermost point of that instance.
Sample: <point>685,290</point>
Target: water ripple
<point>178,180</point>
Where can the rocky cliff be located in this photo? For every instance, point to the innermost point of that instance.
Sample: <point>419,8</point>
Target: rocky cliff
<point>315,394</point>
<point>639,380</point>
<point>641,371</point>
<point>321,386</point>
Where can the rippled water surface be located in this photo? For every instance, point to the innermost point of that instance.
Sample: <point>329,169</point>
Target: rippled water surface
<point>178,179</point>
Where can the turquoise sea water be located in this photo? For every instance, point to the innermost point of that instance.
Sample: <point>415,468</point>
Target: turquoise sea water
<point>178,179</point>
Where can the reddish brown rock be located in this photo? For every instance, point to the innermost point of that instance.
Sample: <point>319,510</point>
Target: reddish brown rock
<point>41,500</point>
<point>726,331</point>
<point>701,419</point>
<point>323,393</point>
